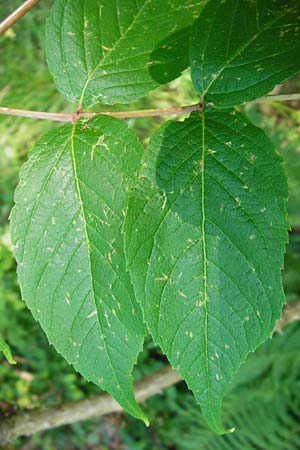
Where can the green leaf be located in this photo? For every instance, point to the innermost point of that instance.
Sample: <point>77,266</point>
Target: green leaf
<point>67,232</point>
<point>113,51</point>
<point>4,347</point>
<point>265,409</point>
<point>204,237</point>
<point>241,49</point>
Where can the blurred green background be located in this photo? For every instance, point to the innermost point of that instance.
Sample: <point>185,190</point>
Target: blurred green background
<point>264,401</point>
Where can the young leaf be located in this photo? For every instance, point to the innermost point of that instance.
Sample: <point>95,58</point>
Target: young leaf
<point>4,347</point>
<point>241,49</point>
<point>112,51</point>
<point>204,237</point>
<point>67,232</point>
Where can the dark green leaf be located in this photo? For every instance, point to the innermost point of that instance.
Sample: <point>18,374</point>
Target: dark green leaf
<point>112,51</point>
<point>241,49</point>
<point>204,237</point>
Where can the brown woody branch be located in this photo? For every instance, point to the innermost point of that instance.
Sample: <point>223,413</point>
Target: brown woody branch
<point>25,423</point>
<point>16,15</point>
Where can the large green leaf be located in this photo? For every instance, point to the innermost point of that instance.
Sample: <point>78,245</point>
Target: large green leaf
<point>116,51</point>
<point>204,238</point>
<point>67,232</point>
<point>240,49</point>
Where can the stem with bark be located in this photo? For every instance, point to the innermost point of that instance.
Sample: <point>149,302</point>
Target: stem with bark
<point>26,423</point>
<point>16,15</point>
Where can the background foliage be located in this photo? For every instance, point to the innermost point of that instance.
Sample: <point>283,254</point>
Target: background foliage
<point>268,416</point>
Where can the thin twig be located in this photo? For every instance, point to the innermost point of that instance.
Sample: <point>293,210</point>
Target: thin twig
<point>73,117</point>
<point>277,98</point>
<point>17,14</point>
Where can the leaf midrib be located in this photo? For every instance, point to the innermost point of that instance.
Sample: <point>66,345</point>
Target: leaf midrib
<point>204,260</point>
<point>76,179</point>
